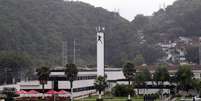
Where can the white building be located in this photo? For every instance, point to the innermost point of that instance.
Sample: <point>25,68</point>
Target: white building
<point>84,84</point>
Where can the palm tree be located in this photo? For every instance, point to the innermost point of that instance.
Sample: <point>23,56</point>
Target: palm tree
<point>71,72</point>
<point>100,85</point>
<point>43,75</point>
<point>129,72</point>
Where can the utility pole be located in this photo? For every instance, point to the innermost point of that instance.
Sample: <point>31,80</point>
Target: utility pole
<point>69,52</point>
<point>74,51</point>
<point>65,53</point>
<point>199,51</point>
<point>6,70</point>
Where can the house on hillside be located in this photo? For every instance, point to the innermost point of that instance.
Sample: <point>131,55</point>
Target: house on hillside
<point>176,50</point>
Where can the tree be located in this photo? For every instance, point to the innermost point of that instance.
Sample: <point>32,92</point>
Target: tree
<point>43,76</point>
<point>147,52</point>
<point>10,94</point>
<point>140,22</point>
<point>129,72</point>
<point>161,75</point>
<point>139,79</point>
<point>147,76</point>
<point>192,54</point>
<point>196,85</point>
<point>26,29</point>
<point>139,60</point>
<point>184,76</point>
<point>13,65</point>
<point>142,76</point>
<point>100,84</point>
<point>121,90</point>
<point>71,73</point>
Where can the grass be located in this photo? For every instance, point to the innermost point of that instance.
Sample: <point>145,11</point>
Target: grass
<point>93,98</point>
<point>178,98</point>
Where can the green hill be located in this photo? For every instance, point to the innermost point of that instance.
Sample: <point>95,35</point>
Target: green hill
<point>39,27</point>
<point>183,18</point>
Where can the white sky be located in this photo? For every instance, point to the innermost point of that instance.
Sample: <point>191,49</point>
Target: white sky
<point>130,8</point>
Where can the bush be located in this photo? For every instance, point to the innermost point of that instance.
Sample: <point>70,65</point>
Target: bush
<point>99,99</point>
<point>107,93</point>
<point>10,93</point>
<point>155,95</point>
<point>122,90</point>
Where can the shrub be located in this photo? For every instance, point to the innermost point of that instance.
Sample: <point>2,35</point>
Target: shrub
<point>122,90</point>
<point>10,93</point>
<point>99,99</point>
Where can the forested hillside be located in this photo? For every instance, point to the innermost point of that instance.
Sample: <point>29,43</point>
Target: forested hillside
<point>183,18</point>
<point>39,27</point>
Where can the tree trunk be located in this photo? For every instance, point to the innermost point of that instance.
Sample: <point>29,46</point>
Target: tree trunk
<point>129,96</point>
<point>71,87</point>
<point>145,89</point>
<point>99,94</point>
<point>138,91</point>
<point>162,91</point>
<point>43,87</point>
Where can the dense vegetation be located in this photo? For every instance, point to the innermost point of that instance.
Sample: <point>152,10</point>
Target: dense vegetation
<point>13,65</point>
<point>180,19</point>
<point>39,27</point>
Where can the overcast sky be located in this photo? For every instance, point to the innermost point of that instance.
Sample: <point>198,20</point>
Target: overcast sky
<point>129,8</point>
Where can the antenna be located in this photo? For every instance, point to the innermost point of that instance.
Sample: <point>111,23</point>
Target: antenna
<point>118,10</point>
<point>164,5</point>
<point>100,29</point>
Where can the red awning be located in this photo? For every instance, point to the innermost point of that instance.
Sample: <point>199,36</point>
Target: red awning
<point>62,92</point>
<point>51,92</point>
<point>21,92</point>
<point>32,92</point>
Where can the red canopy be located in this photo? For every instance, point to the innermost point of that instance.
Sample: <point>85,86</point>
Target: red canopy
<point>33,92</point>
<point>21,92</point>
<point>52,92</point>
<point>62,92</point>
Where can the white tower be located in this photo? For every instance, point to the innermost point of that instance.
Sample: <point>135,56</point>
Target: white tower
<point>100,51</point>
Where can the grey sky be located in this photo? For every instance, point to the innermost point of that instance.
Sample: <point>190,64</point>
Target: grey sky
<point>129,8</point>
